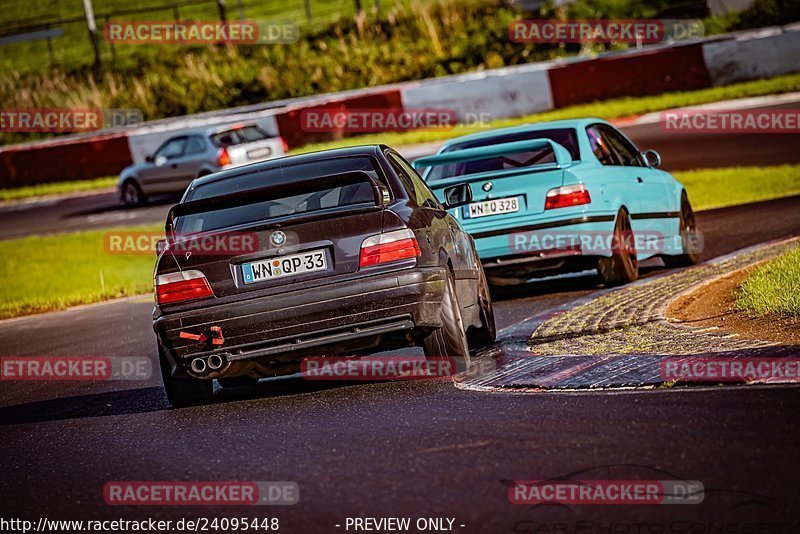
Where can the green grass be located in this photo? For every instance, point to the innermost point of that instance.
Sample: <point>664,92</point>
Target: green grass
<point>607,109</point>
<point>73,48</point>
<point>57,188</point>
<point>47,273</point>
<point>717,188</point>
<point>773,288</point>
<point>55,272</point>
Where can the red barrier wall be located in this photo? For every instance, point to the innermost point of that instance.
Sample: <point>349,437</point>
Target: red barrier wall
<point>289,121</point>
<point>679,68</point>
<point>58,161</point>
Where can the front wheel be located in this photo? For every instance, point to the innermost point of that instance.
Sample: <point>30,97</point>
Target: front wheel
<point>449,341</point>
<point>132,194</point>
<point>184,391</point>
<point>622,267</point>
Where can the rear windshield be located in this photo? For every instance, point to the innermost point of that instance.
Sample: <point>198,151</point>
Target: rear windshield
<point>349,194</point>
<point>238,136</point>
<point>566,137</point>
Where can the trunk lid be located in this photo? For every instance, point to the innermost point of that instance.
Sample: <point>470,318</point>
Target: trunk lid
<point>277,235</point>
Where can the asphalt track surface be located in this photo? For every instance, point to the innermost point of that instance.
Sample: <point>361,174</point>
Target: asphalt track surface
<point>412,449</point>
<point>679,152</point>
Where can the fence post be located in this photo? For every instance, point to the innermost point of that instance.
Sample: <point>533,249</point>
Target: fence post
<point>111,46</point>
<point>307,4</point>
<point>50,45</point>
<point>92,27</point>
<point>221,8</point>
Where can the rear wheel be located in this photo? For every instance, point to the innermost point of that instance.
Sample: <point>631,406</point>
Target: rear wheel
<point>622,267</point>
<point>487,333</point>
<point>132,194</point>
<point>184,391</point>
<point>449,341</point>
<point>689,238</point>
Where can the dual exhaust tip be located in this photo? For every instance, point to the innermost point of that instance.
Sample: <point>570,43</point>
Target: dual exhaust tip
<point>212,363</point>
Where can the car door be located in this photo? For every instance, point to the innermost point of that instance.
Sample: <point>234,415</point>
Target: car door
<point>160,175</point>
<point>195,158</point>
<point>653,192</point>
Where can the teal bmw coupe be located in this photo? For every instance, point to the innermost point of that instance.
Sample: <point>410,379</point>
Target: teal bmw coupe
<point>565,196</point>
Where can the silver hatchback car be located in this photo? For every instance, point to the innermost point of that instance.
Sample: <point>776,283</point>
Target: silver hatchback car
<point>182,158</point>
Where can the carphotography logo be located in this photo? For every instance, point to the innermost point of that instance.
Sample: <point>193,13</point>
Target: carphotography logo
<point>633,31</point>
<point>751,121</point>
<point>66,120</point>
<point>195,493</point>
<point>251,32</point>
<point>373,120</point>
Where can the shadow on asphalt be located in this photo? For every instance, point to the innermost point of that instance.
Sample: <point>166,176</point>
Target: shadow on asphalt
<point>152,399</point>
<point>560,284</point>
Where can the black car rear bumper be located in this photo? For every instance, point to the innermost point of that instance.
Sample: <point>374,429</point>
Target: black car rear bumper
<point>319,320</point>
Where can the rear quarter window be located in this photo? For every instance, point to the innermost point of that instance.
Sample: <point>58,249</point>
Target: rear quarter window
<point>238,136</point>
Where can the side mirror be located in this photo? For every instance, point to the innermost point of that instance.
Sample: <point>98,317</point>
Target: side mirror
<point>457,195</point>
<point>652,158</point>
<point>161,246</point>
<point>149,158</point>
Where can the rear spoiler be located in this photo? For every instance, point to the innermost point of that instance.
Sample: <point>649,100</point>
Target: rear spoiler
<point>296,187</point>
<point>563,158</point>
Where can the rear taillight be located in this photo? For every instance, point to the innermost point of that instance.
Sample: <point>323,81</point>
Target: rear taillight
<point>570,195</point>
<point>391,246</point>
<point>181,287</point>
<point>285,146</point>
<point>223,158</point>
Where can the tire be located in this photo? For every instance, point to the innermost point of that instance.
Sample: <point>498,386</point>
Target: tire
<point>132,194</point>
<point>184,391</point>
<point>487,333</point>
<point>450,340</point>
<point>691,249</point>
<point>622,267</point>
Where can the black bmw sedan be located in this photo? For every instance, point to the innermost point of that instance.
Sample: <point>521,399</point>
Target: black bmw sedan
<point>341,252</point>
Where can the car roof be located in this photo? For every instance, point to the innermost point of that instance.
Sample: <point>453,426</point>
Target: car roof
<point>285,161</point>
<point>530,127</point>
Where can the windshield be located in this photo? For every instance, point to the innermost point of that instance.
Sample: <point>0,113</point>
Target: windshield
<point>566,137</point>
<point>239,136</point>
<point>329,197</point>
